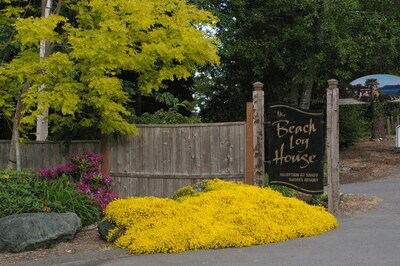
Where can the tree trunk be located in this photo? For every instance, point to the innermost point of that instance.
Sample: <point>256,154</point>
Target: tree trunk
<point>14,160</point>
<point>378,120</point>
<point>305,99</point>
<point>42,125</point>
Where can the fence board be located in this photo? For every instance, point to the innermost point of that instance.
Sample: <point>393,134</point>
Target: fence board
<point>205,159</point>
<point>166,147</point>
<point>242,149</point>
<point>175,149</point>
<point>224,150</point>
<point>196,151</point>
<point>186,151</point>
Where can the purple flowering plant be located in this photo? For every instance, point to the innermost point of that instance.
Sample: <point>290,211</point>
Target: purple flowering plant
<point>84,170</point>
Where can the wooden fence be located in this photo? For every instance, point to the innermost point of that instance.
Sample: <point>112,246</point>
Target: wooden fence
<point>163,159</point>
<point>159,161</point>
<point>391,123</point>
<point>46,154</point>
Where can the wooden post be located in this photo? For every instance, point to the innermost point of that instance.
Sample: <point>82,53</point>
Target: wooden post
<point>249,144</point>
<point>392,126</point>
<point>104,148</point>
<point>258,133</point>
<point>332,146</point>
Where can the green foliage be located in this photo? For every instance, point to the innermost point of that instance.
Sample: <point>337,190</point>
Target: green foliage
<point>14,174</point>
<point>285,191</point>
<point>354,124</point>
<point>294,45</point>
<point>181,193</point>
<point>22,192</point>
<point>92,42</point>
<point>319,200</point>
<point>170,116</point>
<point>322,200</point>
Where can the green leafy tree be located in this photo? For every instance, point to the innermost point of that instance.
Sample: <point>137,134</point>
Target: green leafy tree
<point>92,42</point>
<point>276,42</point>
<point>294,47</point>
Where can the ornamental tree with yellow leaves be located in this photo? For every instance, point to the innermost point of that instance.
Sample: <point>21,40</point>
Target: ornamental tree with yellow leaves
<point>91,42</point>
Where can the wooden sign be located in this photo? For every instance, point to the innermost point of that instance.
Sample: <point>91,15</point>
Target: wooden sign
<point>295,148</point>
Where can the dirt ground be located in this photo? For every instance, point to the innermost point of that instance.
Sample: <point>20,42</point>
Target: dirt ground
<point>84,241</point>
<point>368,161</point>
<point>361,163</point>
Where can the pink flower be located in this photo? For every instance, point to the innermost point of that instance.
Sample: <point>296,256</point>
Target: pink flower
<point>49,173</point>
<point>83,187</point>
<point>66,169</point>
<point>87,176</point>
<point>84,170</point>
<point>103,197</point>
<point>107,180</point>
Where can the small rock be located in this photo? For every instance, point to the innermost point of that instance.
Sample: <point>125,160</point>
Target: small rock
<point>104,227</point>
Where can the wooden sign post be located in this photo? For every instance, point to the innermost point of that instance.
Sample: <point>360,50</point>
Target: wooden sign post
<point>332,145</point>
<point>258,134</point>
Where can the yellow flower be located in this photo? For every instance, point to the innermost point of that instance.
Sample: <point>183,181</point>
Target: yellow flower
<point>226,214</point>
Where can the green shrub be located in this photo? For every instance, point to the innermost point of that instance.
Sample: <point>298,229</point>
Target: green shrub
<point>322,200</point>
<point>184,192</point>
<point>285,191</point>
<point>354,124</point>
<point>25,173</point>
<point>318,200</point>
<point>23,192</point>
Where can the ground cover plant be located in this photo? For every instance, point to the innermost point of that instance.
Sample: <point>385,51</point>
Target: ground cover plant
<point>214,214</point>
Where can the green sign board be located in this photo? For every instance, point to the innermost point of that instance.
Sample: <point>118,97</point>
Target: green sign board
<point>295,148</point>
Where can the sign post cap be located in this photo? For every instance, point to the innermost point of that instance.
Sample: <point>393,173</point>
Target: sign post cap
<point>258,86</point>
<point>332,83</point>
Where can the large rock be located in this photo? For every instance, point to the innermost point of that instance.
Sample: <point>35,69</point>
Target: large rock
<point>29,231</point>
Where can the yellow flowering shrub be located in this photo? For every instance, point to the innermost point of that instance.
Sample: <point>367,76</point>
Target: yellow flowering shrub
<point>225,214</point>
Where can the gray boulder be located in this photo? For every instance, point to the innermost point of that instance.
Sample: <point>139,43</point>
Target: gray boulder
<point>29,231</point>
<point>103,229</point>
